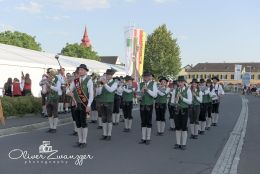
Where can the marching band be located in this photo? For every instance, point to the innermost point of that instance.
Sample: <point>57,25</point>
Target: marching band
<point>192,107</point>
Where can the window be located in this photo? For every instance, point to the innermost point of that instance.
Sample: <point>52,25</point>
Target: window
<point>189,76</point>
<point>232,77</point>
<point>258,76</point>
<point>253,77</point>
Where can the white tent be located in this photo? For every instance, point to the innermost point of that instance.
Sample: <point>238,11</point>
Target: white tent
<point>14,60</point>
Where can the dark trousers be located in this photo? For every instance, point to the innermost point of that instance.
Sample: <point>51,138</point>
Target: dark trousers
<point>106,112</point>
<point>146,112</point>
<point>215,107</point>
<point>127,109</point>
<point>172,111</point>
<point>73,108</point>
<point>181,119</point>
<point>209,109</point>
<point>52,108</point>
<point>203,111</point>
<point>194,114</point>
<point>117,103</point>
<point>160,109</point>
<point>81,116</point>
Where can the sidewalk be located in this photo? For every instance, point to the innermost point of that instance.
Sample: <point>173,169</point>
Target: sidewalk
<point>15,125</point>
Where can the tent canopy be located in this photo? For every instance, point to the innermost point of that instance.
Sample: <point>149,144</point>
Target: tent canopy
<point>14,59</point>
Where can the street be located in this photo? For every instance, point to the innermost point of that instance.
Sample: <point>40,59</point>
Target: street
<point>123,154</point>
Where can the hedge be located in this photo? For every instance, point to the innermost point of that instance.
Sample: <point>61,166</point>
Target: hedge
<point>19,106</point>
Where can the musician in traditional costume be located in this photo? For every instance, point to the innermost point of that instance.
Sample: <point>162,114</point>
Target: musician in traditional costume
<point>184,100</point>
<point>73,104</point>
<point>94,112</point>
<point>81,89</point>
<point>98,91</point>
<point>148,91</point>
<point>172,105</point>
<point>61,78</point>
<point>206,100</point>
<point>216,100</point>
<point>54,88</point>
<point>117,101</point>
<point>195,108</point>
<point>160,105</point>
<point>106,103</point>
<point>127,103</point>
<point>209,107</point>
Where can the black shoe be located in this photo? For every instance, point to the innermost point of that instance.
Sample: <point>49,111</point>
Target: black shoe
<point>148,142</point>
<point>103,137</point>
<point>49,131</point>
<point>202,132</point>
<point>54,131</point>
<point>108,138</point>
<point>74,133</point>
<point>125,130</point>
<point>114,124</point>
<point>177,146</point>
<point>83,145</point>
<point>171,129</point>
<point>183,147</point>
<point>158,134</point>
<point>161,134</point>
<point>142,141</point>
<point>99,127</point>
<point>191,136</point>
<point>207,128</point>
<point>45,115</point>
<point>77,144</point>
<point>195,136</point>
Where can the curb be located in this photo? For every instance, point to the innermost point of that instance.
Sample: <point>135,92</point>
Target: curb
<point>30,127</point>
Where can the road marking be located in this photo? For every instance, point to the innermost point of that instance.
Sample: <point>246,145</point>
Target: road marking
<point>229,158</point>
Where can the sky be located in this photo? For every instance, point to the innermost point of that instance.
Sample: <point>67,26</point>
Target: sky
<point>206,30</point>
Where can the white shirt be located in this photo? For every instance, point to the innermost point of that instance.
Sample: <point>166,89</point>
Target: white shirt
<point>128,90</point>
<point>119,90</point>
<point>187,100</point>
<point>110,88</point>
<point>164,93</point>
<point>173,95</point>
<point>220,90</point>
<point>199,98</point>
<point>57,87</point>
<point>152,93</point>
<point>90,89</point>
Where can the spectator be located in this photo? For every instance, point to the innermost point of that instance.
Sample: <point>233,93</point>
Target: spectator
<point>27,85</point>
<point>17,88</point>
<point>43,83</point>
<point>8,88</point>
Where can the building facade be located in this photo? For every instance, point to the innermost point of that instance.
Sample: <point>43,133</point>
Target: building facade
<point>224,71</point>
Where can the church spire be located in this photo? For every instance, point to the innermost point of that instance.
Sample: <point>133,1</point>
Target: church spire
<point>85,40</point>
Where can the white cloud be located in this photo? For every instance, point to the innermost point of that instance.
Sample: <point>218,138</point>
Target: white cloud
<point>6,27</point>
<point>31,7</point>
<point>57,17</point>
<point>83,4</point>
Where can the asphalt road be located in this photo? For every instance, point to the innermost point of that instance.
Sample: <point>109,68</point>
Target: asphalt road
<point>123,154</point>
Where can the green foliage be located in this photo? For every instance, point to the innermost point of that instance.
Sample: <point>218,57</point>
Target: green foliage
<point>18,106</point>
<point>77,50</point>
<point>162,53</point>
<point>19,39</point>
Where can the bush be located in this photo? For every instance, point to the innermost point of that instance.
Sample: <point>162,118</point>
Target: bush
<point>19,106</point>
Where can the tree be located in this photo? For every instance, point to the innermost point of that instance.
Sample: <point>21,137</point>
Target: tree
<point>77,50</point>
<point>19,39</point>
<point>162,53</point>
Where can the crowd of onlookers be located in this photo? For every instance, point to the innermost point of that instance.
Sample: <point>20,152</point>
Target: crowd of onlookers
<point>251,90</point>
<point>15,87</point>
